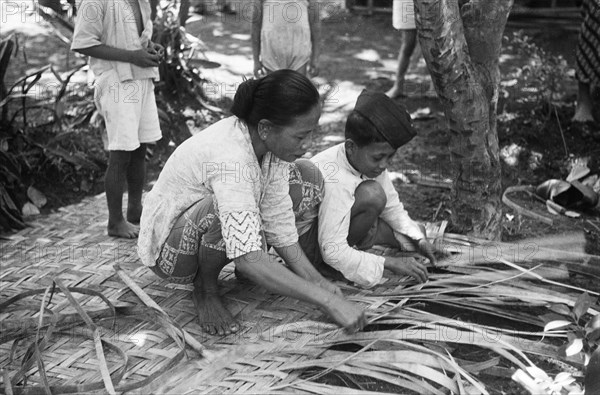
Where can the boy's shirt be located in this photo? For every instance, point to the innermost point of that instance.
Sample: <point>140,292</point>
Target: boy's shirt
<point>341,180</point>
<point>112,23</point>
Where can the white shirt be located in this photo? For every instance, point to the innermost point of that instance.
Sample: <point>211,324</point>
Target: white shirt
<point>112,23</point>
<point>341,180</point>
<point>250,198</point>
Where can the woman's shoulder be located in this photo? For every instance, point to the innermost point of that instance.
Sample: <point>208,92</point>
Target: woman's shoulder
<point>229,136</point>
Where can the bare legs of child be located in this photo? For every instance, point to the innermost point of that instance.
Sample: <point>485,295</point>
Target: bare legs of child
<point>408,39</point>
<point>365,225</point>
<point>125,168</point>
<point>367,229</point>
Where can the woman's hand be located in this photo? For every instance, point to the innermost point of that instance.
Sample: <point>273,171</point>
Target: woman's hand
<point>329,286</point>
<point>346,314</point>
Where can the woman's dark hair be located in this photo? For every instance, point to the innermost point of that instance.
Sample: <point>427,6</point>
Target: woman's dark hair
<point>278,97</point>
<point>360,130</point>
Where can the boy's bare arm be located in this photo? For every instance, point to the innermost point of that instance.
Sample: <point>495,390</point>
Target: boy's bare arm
<point>140,57</point>
<point>257,10</point>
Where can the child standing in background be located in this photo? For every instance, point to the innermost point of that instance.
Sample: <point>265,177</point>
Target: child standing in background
<point>116,34</point>
<point>286,35</point>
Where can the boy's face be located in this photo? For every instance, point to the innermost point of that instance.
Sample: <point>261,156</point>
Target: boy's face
<point>370,160</point>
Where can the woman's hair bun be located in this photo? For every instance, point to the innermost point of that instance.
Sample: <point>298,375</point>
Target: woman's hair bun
<point>244,99</point>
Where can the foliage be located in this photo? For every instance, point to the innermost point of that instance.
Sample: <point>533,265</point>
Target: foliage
<point>181,86</point>
<point>583,331</point>
<point>37,138</point>
<point>543,77</point>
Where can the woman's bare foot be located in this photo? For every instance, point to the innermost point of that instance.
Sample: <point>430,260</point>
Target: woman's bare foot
<point>214,318</point>
<point>123,229</point>
<point>134,213</point>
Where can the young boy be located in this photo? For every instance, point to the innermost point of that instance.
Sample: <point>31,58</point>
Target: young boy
<point>360,207</point>
<point>116,35</point>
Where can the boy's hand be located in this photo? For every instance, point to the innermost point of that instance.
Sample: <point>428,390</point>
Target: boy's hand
<point>156,49</point>
<point>259,70</point>
<point>144,58</point>
<point>407,266</point>
<point>426,249</point>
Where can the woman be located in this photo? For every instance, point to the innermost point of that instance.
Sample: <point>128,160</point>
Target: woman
<point>224,195</point>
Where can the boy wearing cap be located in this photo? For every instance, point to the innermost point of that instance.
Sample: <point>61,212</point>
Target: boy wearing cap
<point>360,207</point>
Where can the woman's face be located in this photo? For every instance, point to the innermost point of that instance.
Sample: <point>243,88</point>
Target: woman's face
<point>291,142</point>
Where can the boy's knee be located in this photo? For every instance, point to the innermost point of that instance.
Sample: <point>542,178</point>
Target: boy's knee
<point>370,194</point>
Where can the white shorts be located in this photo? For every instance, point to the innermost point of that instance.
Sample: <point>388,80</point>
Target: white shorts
<point>403,15</point>
<point>129,111</point>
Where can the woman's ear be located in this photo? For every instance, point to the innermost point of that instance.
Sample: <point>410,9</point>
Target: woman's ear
<point>264,128</point>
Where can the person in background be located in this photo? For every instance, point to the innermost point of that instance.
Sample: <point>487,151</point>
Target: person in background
<point>403,20</point>
<point>286,34</point>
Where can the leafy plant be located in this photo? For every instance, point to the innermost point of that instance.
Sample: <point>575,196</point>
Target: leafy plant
<point>542,78</point>
<point>33,147</point>
<point>180,91</point>
<point>583,332</point>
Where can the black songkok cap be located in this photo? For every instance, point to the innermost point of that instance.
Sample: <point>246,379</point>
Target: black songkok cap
<point>390,119</point>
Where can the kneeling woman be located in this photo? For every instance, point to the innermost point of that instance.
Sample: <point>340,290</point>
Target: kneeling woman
<point>224,194</point>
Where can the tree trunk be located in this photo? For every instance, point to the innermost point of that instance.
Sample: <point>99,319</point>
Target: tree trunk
<point>461,44</point>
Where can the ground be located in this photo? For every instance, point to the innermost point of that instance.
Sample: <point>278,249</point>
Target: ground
<point>352,59</point>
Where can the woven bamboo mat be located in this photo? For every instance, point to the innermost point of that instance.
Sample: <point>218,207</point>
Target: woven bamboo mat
<point>72,245</point>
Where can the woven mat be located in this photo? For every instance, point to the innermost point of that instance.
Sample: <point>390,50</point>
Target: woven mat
<point>73,246</point>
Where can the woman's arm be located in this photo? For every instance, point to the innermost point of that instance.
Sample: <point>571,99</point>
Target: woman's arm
<point>264,270</point>
<point>257,16</point>
<point>295,257</point>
